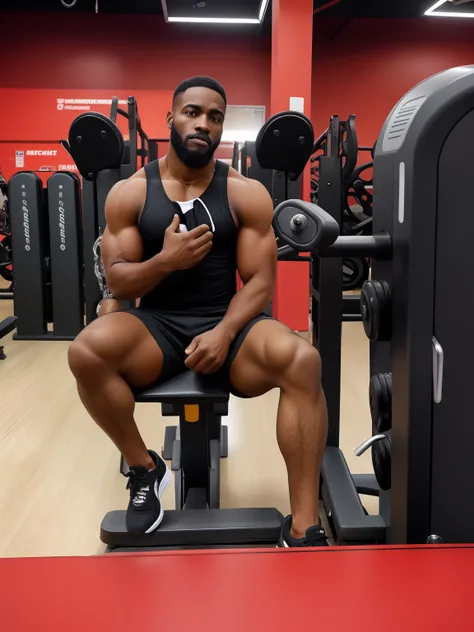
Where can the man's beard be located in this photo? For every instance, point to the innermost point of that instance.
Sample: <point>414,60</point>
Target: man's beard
<point>194,159</point>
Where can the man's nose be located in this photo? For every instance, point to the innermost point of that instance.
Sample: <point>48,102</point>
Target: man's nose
<point>202,125</point>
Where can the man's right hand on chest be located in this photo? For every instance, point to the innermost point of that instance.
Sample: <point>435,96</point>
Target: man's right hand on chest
<point>184,250</point>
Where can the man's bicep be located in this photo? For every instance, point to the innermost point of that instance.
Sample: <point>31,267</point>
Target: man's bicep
<point>122,246</point>
<point>121,241</point>
<point>256,253</point>
<point>256,244</point>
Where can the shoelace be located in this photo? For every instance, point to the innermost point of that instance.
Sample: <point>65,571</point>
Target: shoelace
<point>138,486</point>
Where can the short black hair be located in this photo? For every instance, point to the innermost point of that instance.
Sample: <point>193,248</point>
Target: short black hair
<point>200,82</point>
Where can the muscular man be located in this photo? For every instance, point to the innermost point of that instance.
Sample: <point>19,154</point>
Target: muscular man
<point>177,233</point>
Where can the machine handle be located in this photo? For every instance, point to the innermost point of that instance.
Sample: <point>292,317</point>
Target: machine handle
<point>368,444</point>
<point>438,371</point>
<point>306,227</point>
<point>327,229</point>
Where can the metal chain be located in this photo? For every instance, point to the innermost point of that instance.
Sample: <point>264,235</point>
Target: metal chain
<point>100,273</point>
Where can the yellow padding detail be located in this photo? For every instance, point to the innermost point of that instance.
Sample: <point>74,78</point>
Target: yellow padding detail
<point>191,412</point>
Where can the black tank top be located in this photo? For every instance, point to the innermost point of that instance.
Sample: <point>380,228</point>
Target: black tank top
<point>209,287</point>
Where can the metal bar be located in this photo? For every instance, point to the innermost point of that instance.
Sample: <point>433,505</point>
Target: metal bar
<point>378,246</point>
<point>326,281</point>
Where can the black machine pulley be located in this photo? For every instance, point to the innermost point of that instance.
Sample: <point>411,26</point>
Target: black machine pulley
<point>376,311</point>
<point>304,226</point>
<point>95,144</point>
<point>285,143</point>
<point>380,397</point>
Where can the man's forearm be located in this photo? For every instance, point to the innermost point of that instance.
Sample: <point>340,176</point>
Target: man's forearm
<point>128,281</point>
<point>250,301</point>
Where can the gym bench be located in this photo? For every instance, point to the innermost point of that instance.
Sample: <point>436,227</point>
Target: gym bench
<point>195,448</point>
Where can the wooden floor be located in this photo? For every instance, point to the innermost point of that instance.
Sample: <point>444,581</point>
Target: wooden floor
<point>59,472</point>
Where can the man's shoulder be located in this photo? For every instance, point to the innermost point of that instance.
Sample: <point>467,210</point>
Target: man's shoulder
<point>127,197</point>
<point>239,183</point>
<point>133,186</point>
<point>249,198</point>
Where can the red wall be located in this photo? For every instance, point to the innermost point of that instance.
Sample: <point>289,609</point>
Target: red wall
<point>69,55</point>
<point>371,64</point>
<point>75,50</point>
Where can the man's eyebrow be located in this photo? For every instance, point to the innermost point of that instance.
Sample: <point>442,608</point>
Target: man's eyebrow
<point>199,107</point>
<point>217,111</point>
<point>191,105</point>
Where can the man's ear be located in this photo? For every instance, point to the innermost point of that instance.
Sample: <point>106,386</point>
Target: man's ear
<point>169,119</point>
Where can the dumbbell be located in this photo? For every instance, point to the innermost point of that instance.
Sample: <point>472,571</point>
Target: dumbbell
<point>380,397</point>
<point>381,445</point>
<point>376,310</point>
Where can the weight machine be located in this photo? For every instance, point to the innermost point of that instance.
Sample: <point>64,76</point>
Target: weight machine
<point>103,158</point>
<point>47,258</point>
<point>340,141</point>
<point>421,392</point>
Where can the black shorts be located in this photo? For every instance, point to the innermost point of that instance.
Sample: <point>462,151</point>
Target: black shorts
<point>174,332</point>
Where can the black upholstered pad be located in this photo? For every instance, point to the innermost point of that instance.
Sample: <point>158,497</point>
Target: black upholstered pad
<point>7,325</point>
<point>189,387</point>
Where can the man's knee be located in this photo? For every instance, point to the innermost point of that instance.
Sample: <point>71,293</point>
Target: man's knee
<point>85,356</point>
<point>302,366</point>
<point>97,346</point>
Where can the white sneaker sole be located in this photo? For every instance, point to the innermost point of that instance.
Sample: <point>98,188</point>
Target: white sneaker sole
<point>159,491</point>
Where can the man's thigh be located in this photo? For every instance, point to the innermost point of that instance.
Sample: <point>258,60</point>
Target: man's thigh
<point>264,357</point>
<point>127,344</point>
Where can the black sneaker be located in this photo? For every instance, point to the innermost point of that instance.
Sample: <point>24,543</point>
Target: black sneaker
<point>315,536</point>
<point>145,510</point>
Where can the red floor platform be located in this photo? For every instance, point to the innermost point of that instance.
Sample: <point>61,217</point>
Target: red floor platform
<point>381,589</point>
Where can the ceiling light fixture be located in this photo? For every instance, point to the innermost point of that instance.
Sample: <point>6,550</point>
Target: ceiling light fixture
<point>216,20</point>
<point>433,13</point>
<point>263,10</point>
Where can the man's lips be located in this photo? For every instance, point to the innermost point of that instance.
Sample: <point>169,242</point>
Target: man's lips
<point>199,142</point>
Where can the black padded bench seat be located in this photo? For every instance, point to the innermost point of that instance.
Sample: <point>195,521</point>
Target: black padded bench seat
<point>187,388</point>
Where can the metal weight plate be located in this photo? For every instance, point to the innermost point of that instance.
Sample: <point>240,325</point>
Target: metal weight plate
<point>376,310</point>
<point>355,271</point>
<point>382,462</point>
<point>380,397</point>
<point>297,229</point>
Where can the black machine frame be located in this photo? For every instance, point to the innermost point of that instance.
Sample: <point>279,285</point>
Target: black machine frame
<point>416,312</point>
<point>339,489</point>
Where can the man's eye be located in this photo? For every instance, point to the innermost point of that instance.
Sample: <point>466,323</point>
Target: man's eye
<point>190,112</point>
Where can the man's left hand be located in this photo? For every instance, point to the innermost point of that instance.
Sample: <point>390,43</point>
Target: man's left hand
<point>208,352</point>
